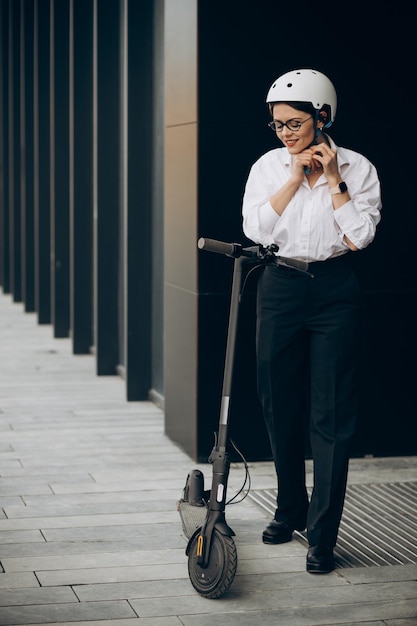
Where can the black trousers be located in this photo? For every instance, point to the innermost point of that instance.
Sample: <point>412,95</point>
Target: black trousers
<point>307,349</point>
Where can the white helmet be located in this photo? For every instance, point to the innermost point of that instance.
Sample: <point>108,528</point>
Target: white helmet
<point>305,86</point>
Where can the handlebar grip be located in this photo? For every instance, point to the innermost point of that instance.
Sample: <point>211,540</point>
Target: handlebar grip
<point>221,247</point>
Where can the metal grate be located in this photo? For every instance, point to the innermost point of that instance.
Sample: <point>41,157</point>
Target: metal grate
<point>378,527</point>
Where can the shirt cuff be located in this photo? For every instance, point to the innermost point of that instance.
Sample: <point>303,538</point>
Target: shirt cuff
<point>346,216</point>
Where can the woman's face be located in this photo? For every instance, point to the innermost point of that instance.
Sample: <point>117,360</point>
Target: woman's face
<point>295,140</point>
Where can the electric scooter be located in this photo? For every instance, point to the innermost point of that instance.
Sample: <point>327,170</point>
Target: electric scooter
<point>211,550</point>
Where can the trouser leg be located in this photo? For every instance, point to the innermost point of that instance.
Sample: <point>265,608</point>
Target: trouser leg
<point>333,366</point>
<point>281,361</point>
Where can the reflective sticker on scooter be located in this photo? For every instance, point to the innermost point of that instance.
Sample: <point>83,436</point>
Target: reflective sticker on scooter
<point>224,409</point>
<point>220,492</point>
<point>200,545</point>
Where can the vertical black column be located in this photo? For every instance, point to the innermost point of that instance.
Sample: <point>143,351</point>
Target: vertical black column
<point>59,129</point>
<point>14,151</point>
<point>4,147</point>
<point>138,242</point>
<point>81,175</point>
<point>107,148</point>
<point>41,148</point>
<point>26,131</point>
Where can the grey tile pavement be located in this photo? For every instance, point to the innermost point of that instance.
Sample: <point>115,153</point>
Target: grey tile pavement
<point>89,532</point>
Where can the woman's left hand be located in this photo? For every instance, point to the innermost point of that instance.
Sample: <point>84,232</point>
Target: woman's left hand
<point>327,156</point>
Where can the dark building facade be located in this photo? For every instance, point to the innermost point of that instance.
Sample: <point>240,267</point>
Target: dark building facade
<point>127,129</point>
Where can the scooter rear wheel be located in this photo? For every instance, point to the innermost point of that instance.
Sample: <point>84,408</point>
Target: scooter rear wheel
<point>212,581</point>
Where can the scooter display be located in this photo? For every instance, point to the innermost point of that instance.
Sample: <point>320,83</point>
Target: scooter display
<point>211,549</point>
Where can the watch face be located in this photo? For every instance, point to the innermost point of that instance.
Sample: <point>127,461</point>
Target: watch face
<point>342,187</point>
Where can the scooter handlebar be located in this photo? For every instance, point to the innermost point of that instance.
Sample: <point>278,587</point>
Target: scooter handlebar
<point>236,250</point>
<point>221,247</point>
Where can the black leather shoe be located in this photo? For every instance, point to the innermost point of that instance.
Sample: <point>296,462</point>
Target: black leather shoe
<point>277,532</point>
<point>320,560</point>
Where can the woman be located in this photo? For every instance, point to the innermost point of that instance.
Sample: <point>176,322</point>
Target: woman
<point>319,203</point>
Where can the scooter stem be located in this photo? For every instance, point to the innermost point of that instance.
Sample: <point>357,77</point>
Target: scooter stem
<point>230,347</point>
<point>219,456</point>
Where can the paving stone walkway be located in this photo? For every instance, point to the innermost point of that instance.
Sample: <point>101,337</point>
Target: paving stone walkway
<point>89,532</point>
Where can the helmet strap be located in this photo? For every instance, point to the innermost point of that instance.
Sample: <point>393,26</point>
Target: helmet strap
<point>317,130</point>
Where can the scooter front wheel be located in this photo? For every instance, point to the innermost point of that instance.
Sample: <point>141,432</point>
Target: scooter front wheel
<point>212,581</point>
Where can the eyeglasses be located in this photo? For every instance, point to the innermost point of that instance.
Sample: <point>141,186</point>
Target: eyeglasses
<point>293,125</point>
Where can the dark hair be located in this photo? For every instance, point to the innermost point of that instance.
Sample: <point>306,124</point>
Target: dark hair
<point>306,107</point>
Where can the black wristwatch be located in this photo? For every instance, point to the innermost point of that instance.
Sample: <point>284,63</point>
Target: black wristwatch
<point>341,188</point>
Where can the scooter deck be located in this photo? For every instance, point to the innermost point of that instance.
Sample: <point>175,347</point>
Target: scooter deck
<point>192,516</point>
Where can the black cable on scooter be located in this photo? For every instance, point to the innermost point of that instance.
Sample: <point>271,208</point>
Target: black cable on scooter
<point>246,482</point>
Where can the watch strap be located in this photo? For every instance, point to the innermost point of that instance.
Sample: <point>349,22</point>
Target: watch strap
<point>340,188</point>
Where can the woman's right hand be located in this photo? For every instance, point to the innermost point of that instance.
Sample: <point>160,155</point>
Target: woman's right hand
<point>304,160</point>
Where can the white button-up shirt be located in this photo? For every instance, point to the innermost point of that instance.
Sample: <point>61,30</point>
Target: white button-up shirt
<point>309,228</point>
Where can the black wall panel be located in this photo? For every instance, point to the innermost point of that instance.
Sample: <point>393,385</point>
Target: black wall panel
<point>42,160</point>
<point>27,155</point>
<point>81,175</point>
<point>242,49</point>
<point>14,154</point>
<point>108,85</point>
<point>4,150</point>
<point>60,154</point>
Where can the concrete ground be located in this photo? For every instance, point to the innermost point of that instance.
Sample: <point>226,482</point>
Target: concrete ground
<point>89,531</point>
